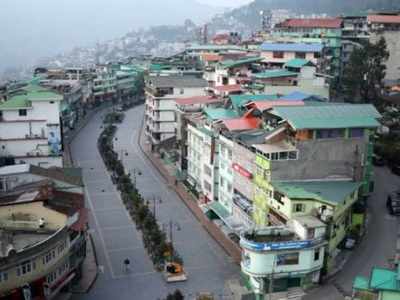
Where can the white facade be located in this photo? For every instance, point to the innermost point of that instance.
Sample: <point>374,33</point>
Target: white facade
<point>202,160</point>
<point>270,57</point>
<point>32,134</point>
<point>161,110</point>
<point>225,173</point>
<point>293,251</point>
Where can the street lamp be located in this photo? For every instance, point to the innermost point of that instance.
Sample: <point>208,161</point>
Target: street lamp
<point>155,200</point>
<point>171,225</point>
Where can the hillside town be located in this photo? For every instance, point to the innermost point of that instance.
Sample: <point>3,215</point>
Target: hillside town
<point>264,167</point>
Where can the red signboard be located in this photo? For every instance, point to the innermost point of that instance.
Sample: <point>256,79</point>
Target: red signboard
<point>242,171</point>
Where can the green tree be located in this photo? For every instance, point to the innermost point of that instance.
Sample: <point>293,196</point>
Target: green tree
<point>364,74</point>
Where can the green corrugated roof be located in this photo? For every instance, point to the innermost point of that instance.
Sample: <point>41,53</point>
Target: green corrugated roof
<point>220,113</point>
<point>333,192</point>
<point>274,74</point>
<point>15,102</point>
<point>240,100</point>
<point>361,283</point>
<point>219,209</point>
<point>329,116</point>
<point>384,279</point>
<point>236,63</point>
<point>297,63</point>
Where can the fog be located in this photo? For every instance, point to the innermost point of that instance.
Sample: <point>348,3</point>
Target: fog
<point>34,28</point>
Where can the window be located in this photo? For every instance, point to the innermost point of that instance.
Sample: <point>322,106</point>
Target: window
<point>207,170</point>
<point>26,267</point>
<point>207,186</point>
<point>49,256</point>
<point>182,91</point>
<point>278,197</point>
<point>3,276</point>
<point>288,259</point>
<point>229,154</point>
<point>356,132</point>
<point>278,54</point>
<point>293,155</point>
<point>274,156</point>
<point>229,187</point>
<point>298,207</point>
<point>22,112</point>
<point>301,55</point>
<point>222,182</point>
<point>317,55</point>
<point>330,133</point>
<point>317,254</point>
<point>51,277</point>
<point>283,155</point>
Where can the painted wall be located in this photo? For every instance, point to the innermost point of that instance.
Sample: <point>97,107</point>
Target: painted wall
<point>269,57</point>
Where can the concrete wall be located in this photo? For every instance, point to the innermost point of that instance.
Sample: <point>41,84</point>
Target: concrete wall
<point>225,173</point>
<point>321,159</point>
<point>245,158</point>
<point>265,263</point>
<point>269,57</point>
<point>393,46</point>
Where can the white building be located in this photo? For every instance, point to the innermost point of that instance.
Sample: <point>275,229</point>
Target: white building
<point>161,93</point>
<point>291,255</point>
<point>202,162</point>
<point>30,128</point>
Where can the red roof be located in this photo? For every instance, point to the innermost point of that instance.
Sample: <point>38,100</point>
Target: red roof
<point>384,19</point>
<point>265,105</point>
<point>211,57</point>
<point>244,123</point>
<point>312,23</point>
<point>222,36</point>
<point>229,88</point>
<point>196,100</point>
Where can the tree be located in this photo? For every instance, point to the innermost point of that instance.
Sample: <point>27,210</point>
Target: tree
<point>364,74</point>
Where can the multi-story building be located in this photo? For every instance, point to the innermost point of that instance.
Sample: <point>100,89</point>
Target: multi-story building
<point>388,27</point>
<point>326,31</point>
<point>42,237</point>
<point>317,161</point>
<point>185,108</point>
<point>283,259</point>
<point>104,85</point>
<point>30,126</point>
<point>161,93</point>
<point>278,54</point>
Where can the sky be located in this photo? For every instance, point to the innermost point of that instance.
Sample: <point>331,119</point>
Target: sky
<point>31,29</point>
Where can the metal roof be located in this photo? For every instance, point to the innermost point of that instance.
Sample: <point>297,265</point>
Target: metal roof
<point>244,123</point>
<point>333,192</point>
<point>177,81</point>
<point>240,100</point>
<point>292,47</point>
<point>298,63</point>
<point>220,113</point>
<point>385,19</point>
<point>227,64</point>
<point>275,74</point>
<point>312,23</point>
<point>329,116</point>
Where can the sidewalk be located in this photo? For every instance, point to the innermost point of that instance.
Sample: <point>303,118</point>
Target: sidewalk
<point>89,269</point>
<point>229,246</point>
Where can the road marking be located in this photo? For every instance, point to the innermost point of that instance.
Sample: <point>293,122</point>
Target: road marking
<point>107,257</point>
<point>136,274</point>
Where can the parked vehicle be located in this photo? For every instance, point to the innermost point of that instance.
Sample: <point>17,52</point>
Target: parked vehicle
<point>393,203</point>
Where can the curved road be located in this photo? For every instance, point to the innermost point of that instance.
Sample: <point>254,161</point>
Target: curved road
<point>116,237</point>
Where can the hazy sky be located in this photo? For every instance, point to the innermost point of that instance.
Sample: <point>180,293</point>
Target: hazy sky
<point>36,28</point>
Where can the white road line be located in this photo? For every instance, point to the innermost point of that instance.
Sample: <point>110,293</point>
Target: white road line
<point>99,230</point>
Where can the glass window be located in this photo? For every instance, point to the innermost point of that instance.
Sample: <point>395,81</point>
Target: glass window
<point>293,155</point>
<point>283,155</point>
<point>3,276</point>
<point>288,259</point>
<point>317,254</point>
<point>278,54</point>
<point>298,207</point>
<point>356,132</point>
<point>301,55</point>
<point>274,156</point>
<point>22,112</point>
<point>229,154</point>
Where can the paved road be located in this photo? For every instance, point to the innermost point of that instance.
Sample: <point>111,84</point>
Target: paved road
<point>377,247</point>
<point>116,237</point>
